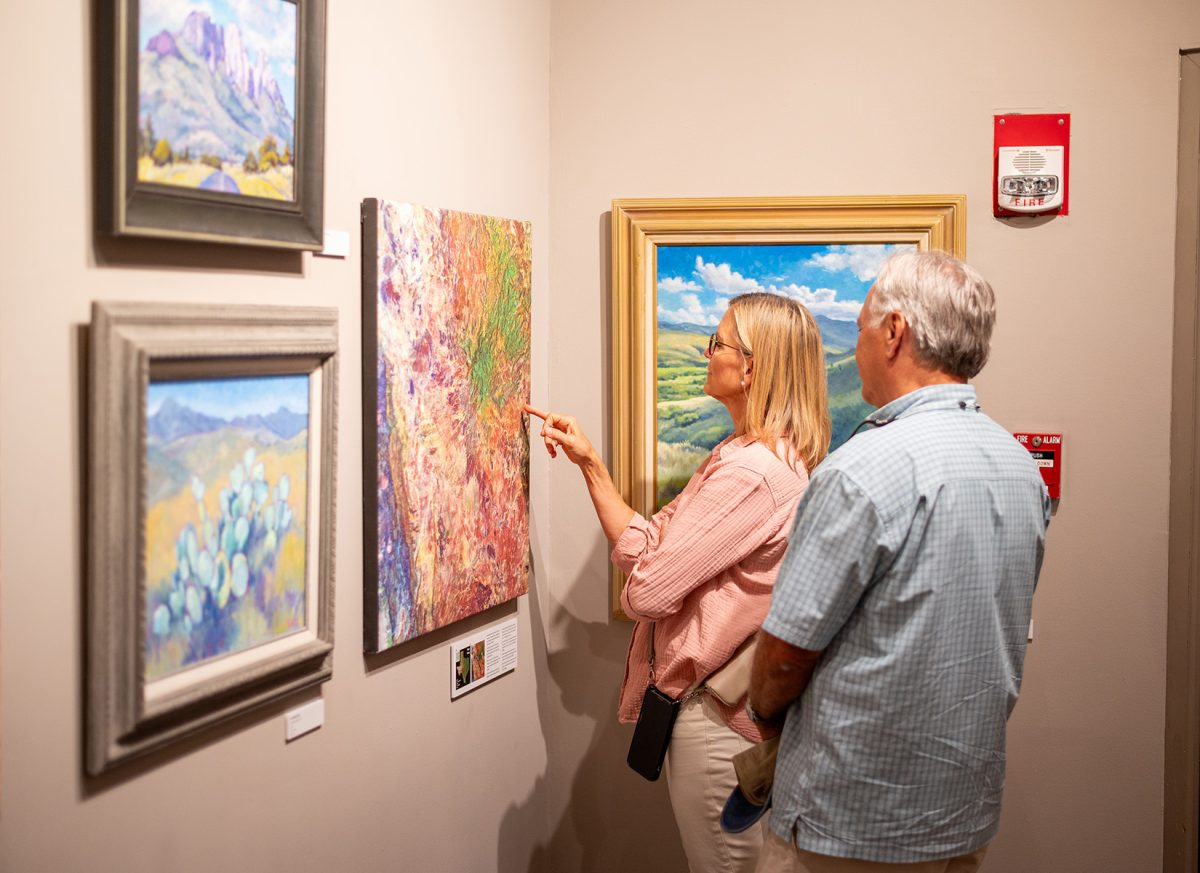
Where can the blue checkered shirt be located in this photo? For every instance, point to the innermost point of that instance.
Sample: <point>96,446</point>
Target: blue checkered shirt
<point>911,566</point>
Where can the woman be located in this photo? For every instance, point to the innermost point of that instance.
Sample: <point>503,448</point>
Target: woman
<point>700,571</point>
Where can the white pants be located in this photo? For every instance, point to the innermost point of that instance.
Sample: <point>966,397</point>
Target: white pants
<point>700,775</point>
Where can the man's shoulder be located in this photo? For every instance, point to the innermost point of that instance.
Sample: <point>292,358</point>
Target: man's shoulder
<point>940,444</point>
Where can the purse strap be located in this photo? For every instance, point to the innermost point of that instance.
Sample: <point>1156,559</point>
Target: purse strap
<point>695,692</point>
<point>650,651</point>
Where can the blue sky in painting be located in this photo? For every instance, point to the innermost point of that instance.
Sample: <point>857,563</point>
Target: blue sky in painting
<point>228,398</point>
<point>266,26</point>
<point>695,283</point>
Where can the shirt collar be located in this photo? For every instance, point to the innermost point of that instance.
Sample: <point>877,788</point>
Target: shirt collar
<point>731,443</point>
<point>927,399</point>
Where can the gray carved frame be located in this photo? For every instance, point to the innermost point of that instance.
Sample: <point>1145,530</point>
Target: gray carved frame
<point>127,207</point>
<point>130,344</point>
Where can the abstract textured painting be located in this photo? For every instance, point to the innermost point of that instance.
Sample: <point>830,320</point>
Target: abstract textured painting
<point>446,304</point>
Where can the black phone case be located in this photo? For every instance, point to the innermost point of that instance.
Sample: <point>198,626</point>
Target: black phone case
<point>652,733</point>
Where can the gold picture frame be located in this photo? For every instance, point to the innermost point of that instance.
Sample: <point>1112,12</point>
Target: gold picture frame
<point>640,226</point>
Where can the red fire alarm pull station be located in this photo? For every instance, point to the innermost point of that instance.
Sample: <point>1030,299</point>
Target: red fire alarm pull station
<point>1046,451</point>
<point>1030,164</point>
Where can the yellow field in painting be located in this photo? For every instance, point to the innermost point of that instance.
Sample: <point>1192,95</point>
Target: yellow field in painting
<point>275,184</point>
<point>210,457</point>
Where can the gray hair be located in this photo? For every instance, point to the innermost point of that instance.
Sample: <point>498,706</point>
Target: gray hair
<point>949,307</point>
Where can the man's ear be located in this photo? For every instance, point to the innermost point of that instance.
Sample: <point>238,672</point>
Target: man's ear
<point>895,333</point>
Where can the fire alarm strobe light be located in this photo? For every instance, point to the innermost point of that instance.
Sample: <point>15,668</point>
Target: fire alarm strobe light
<point>1030,178</point>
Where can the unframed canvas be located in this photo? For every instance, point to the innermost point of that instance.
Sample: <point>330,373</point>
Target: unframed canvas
<point>446,302</point>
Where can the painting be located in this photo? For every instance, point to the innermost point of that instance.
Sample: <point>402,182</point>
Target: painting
<point>226,484</point>
<point>210,515</point>
<point>214,111</point>
<point>676,265</point>
<point>217,96</point>
<point>446,303</point>
<point>694,285</point>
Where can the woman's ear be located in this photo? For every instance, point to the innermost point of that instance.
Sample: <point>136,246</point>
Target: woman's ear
<point>748,373</point>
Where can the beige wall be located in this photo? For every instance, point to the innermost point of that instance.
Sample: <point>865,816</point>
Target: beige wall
<point>441,103</point>
<point>547,111</point>
<point>705,98</point>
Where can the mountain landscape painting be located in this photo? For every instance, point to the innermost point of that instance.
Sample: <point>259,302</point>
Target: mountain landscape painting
<point>450,302</point>
<point>217,95</point>
<point>694,287</point>
<point>226,527</point>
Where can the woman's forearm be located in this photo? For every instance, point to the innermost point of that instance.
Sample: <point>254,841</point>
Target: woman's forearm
<point>612,511</point>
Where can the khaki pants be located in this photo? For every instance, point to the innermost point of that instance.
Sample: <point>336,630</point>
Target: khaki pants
<point>699,771</point>
<point>778,856</point>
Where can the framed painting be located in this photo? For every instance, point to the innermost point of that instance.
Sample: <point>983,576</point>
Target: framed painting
<point>210,516</point>
<point>446,309</point>
<point>214,114</point>
<point>678,262</point>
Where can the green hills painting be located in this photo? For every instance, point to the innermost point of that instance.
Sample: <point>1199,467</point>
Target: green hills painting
<point>694,287</point>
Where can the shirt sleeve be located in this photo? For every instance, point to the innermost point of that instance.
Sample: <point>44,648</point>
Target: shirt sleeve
<point>834,552</point>
<point>718,526</point>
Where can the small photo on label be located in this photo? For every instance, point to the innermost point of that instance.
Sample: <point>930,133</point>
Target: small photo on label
<point>462,670</point>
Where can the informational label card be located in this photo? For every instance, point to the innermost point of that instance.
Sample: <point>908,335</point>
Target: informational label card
<point>480,658</point>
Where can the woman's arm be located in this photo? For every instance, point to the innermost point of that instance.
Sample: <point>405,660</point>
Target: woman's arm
<point>730,514</point>
<point>563,431</point>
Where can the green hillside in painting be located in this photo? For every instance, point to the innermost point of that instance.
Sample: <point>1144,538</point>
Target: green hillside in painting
<point>690,423</point>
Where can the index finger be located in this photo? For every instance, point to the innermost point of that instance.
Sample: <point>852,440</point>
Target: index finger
<point>533,410</point>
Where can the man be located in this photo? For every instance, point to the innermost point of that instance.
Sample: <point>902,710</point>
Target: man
<point>897,629</point>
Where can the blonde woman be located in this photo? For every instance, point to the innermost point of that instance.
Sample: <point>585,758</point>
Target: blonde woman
<point>700,570</point>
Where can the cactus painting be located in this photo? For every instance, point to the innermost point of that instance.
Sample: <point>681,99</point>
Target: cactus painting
<point>225,537</point>
<point>449,299</point>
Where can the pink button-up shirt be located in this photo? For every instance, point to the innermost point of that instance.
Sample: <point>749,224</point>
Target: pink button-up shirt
<point>702,569</point>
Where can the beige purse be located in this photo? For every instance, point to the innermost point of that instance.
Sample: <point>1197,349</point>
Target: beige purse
<point>731,683</point>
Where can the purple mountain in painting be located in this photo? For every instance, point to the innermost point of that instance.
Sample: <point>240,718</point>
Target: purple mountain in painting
<point>174,420</point>
<point>284,423</point>
<point>162,45</point>
<point>201,91</point>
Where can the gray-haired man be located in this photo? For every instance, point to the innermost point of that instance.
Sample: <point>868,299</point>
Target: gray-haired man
<point>897,629</point>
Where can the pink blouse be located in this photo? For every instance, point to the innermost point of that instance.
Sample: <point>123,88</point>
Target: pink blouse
<point>702,569</point>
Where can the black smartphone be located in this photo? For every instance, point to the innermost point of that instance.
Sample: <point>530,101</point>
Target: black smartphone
<point>652,733</point>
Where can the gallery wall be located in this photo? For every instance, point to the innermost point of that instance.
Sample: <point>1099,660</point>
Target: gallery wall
<point>673,99</point>
<point>546,111</point>
<point>440,104</point>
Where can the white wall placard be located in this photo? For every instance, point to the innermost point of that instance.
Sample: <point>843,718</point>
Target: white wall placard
<point>481,657</point>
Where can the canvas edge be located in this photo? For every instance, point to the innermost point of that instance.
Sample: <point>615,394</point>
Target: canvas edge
<point>370,428</point>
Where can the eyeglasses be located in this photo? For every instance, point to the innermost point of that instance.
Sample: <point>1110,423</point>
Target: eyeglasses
<point>714,343</point>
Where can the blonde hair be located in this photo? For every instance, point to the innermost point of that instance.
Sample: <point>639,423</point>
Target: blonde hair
<point>787,399</point>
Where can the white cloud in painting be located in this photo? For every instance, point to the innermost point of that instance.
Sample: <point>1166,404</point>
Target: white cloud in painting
<point>677,284</point>
<point>822,301</point>
<point>691,311</point>
<point>863,260</point>
<point>729,283</point>
<point>723,279</point>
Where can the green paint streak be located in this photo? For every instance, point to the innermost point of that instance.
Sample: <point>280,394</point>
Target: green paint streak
<point>500,339</point>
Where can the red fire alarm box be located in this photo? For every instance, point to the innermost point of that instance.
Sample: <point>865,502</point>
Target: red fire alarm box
<point>1030,164</point>
<point>1046,451</point>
